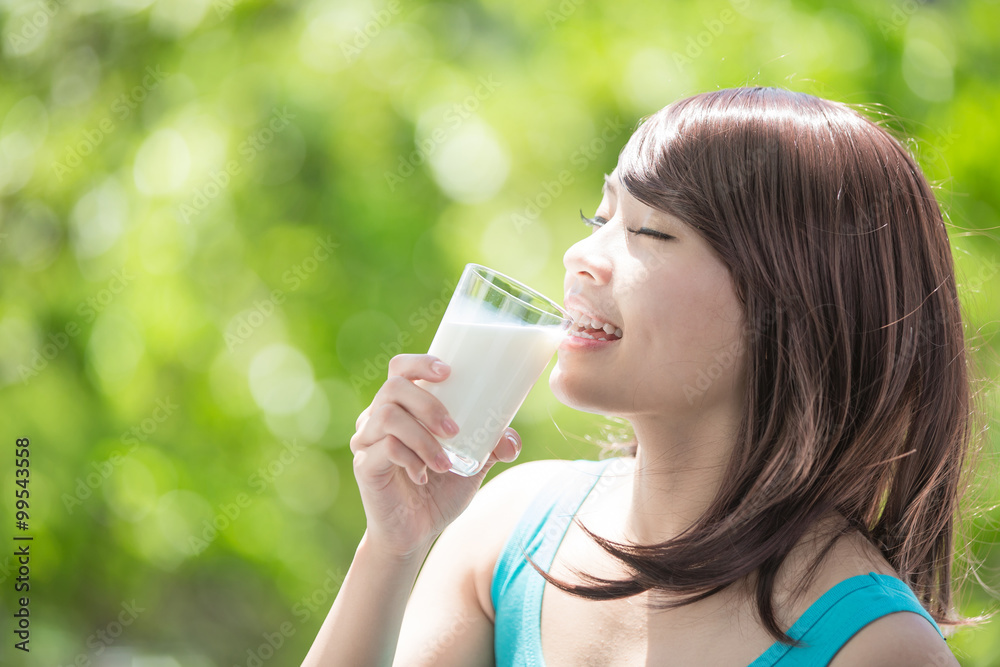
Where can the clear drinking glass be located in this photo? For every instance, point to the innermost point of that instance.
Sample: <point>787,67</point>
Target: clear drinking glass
<point>497,335</point>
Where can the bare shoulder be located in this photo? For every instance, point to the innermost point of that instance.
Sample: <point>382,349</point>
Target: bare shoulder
<point>493,513</point>
<point>901,639</point>
<point>897,639</point>
<point>520,480</point>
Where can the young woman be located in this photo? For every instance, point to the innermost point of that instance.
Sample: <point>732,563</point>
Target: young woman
<point>792,362</point>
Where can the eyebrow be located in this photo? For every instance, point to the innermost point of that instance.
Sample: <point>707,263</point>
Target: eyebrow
<point>609,184</point>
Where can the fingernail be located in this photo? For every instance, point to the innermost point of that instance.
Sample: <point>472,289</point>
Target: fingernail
<point>439,367</point>
<point>514,442</point>
<point>449,426</point>
<point>423,478</point>
<point>442,462</point>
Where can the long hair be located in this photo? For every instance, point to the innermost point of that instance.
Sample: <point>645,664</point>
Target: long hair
<point>857,395</point>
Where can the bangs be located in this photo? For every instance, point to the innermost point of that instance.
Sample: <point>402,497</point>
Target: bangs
<point>647,164</point>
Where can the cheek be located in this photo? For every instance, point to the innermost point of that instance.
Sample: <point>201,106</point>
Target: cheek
<point>702,314</point>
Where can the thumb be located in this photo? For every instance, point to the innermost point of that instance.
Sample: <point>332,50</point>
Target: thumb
<point>507,449</point>
<point>509,446</point>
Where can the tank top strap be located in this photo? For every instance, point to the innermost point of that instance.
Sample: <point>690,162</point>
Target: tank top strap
<point>516,589</point>
<point>838,615</point>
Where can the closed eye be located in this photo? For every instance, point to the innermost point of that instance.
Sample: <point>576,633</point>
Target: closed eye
<point>598,221</point>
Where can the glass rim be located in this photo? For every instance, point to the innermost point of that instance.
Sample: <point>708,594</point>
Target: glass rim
<point>559,310</point>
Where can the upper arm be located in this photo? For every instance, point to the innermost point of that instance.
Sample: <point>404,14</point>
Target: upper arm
<point>900,639</point>
<point>445,623</point>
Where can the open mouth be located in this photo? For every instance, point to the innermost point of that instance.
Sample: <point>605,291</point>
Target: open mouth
<point>585,327</point>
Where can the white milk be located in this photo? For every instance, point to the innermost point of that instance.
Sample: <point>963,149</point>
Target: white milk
<point>493,366</point>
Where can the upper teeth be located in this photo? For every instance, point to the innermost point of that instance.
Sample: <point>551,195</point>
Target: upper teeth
<point>585,322</point>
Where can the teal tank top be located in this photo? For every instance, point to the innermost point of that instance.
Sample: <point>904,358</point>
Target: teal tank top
<point>516,589</point>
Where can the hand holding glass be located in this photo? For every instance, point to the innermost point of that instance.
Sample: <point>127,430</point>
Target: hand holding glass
<point>497,335</point>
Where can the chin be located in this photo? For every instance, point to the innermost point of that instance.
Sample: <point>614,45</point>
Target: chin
<point>578,394</point>
<point>555,385</point>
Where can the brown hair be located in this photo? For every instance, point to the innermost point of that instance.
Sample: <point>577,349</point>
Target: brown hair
<point>857,396</point>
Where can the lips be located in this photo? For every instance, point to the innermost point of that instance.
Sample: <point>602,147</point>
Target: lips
<point>581,340</point>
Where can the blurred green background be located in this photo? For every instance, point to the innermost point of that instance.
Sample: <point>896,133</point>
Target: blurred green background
<point>220,218</point>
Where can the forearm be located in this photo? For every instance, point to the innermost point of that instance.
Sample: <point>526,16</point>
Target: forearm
<point>363,625</point>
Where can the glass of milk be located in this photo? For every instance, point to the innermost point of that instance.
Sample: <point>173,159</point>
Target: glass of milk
<point>498,336</point>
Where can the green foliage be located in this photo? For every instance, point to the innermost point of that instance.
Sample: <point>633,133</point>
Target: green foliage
<point>220,219</point>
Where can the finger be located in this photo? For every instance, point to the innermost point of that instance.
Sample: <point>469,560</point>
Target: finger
<point>412,367</point>
<point>417,401</point>
<point>509,446</point>
<point>498,455</point>
<point>382,458</point>
<point>490,462</point>
<point>393,419</point>
<point>418,367</point>
<point>362,418</point>
<point>404,457</point>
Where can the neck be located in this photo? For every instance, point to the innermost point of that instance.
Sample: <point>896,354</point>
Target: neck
<point>677,473</point>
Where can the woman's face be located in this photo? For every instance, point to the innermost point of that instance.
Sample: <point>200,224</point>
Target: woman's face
<point>680,354</point>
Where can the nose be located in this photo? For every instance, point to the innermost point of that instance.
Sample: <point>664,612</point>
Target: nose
<point>588,258</point>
